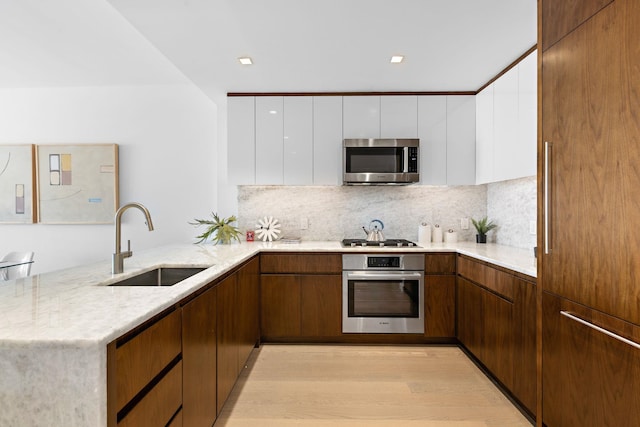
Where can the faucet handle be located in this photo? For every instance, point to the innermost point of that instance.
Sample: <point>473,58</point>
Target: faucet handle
<point>128,253</point>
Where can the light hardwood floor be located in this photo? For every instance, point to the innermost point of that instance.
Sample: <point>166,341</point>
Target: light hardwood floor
<point>357,386</point>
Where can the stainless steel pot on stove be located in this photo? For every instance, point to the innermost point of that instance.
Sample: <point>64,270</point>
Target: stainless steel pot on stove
<point>374,234</point>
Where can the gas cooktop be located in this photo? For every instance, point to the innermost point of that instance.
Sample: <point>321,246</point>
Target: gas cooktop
<point>387,243</point>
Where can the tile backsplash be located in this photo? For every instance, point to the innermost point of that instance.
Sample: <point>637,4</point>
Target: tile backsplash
<point>337,212</point>
<point>513,205</point>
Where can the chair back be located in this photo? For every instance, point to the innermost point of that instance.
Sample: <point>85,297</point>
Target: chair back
<point>19,270</point>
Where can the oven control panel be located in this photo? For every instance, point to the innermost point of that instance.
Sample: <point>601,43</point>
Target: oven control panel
<point>386,261</point>
<point>378,262</point>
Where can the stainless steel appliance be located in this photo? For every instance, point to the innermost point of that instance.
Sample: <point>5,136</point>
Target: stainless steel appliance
<point>391,243</point>
<point>380,161</point>
<point>383,293</point>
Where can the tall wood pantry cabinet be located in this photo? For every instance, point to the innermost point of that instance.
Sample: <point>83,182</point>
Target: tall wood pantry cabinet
<point>589,198</point>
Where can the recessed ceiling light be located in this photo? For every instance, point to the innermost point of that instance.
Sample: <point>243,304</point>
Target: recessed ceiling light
<point>396,59</point>
<point>245,60</point>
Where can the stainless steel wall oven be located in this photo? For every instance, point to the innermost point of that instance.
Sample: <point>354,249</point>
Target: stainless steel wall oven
<point>383,293</point>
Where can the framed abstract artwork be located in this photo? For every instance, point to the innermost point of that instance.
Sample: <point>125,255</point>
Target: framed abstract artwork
<point>77,184</point>
<point>17,184</point>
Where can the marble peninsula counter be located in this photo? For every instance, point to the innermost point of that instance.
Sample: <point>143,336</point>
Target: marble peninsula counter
<point>55,327</point>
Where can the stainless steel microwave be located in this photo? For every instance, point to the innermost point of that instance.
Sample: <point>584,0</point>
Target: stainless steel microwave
<point>380,161</point>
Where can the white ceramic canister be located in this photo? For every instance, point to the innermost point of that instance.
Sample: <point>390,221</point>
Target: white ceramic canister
<point>424,234</point>
<point>437,234</point>
<point>451,236</point>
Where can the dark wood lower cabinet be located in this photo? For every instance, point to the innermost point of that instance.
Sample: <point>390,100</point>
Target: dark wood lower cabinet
<point>440,295</point>
<point>470,314</point>
<point>497,323</point>
<point>237,325</point>
<point>440,306</point>
<point>280,305</point>
<point>227,339</point>
<point>588,377</point>
<point>144,373</point>
<point>524,344</point>
<point>247,310</point>
<point>321,305</point>
<point>199,360</point>
<point>301,305</point>
<point>485,322</point>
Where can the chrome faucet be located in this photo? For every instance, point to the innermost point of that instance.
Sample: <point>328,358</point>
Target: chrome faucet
<point>117,262</point>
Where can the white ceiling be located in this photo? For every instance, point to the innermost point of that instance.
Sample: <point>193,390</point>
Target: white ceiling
<point>296,45</point>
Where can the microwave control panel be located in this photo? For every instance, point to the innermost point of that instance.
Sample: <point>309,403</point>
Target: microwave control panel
<point>413,160</point>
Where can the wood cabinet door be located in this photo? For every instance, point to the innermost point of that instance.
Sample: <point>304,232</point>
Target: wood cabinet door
<point>321,305</point>
<point>559,18</point>
<point>485,327</point>
<point>301,263</point>
<point>590,85</point>
<point>247,310</point>
<point>497,336</point>
<point>279,305</point>
<point>470,315</point>
<point>440,263</point>
<point>524,344</point>
<point>227,342</point>
<point>199,360</point>
<point>440,306</point>
<point>589,379</point>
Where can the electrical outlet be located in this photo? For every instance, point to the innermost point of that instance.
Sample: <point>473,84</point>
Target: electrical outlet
<point>304,223</point>
<point>464,224</point>
<point>532,228</point>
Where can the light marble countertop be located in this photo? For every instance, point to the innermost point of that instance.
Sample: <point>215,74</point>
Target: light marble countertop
<point>54,327</point>
<point>77,304</point>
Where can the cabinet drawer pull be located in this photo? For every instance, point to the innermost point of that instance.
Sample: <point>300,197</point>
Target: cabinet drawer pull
<point>602,330</point>
<point>547,196</point>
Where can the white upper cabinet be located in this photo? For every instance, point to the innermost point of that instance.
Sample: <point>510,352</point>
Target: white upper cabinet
<point>298,140</point>
<point>461,140</point>
<point>432,131</point>
<point>528,113</point>
<point>241,148</point>
<point>484,135</point>
<point>399,116</point>
<point>506,132</point>
<point>269,137</point>
<point>505,122</point>
<point>464,139</point>
<point>361,117</point>
<point>327,140</point>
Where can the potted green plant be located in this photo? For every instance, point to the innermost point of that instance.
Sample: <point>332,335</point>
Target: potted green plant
<point>219,229</point>
<point>483,226</point>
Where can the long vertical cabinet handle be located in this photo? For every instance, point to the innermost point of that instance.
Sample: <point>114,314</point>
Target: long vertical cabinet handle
<point>602,330</point>
<point>547,196</point>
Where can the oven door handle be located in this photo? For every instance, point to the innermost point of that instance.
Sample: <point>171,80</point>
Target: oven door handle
<point>375,275</point>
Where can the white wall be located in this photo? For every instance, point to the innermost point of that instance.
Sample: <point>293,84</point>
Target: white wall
<point>167,137</point>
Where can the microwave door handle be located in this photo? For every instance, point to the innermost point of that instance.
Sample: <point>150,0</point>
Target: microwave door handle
<point>405,163</point>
